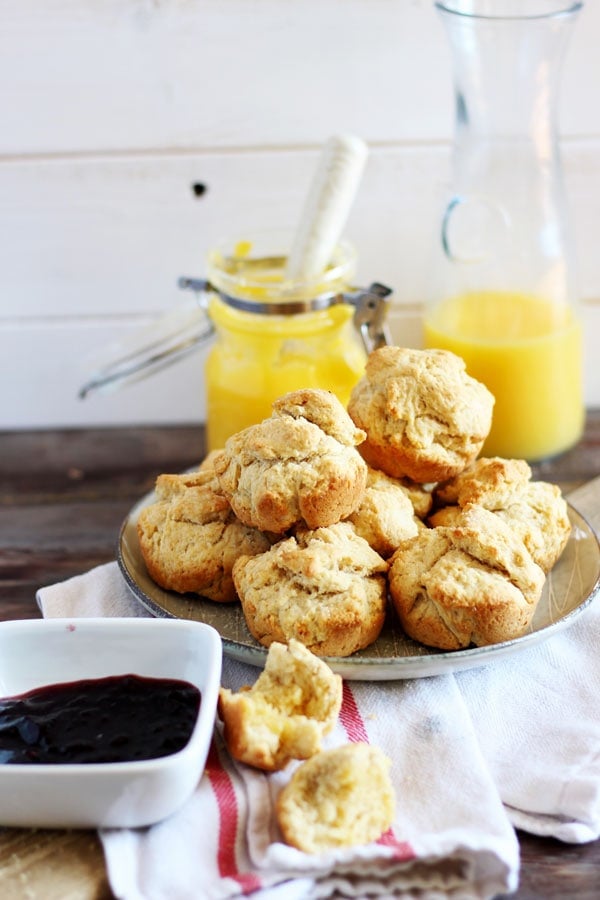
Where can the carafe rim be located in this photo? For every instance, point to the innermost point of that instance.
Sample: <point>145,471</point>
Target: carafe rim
<point>480,10</point>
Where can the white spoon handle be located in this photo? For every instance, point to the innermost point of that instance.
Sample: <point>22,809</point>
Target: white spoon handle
<point>327,206</point>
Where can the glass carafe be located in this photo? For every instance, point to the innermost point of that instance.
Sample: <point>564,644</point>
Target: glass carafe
<point>504,295</point>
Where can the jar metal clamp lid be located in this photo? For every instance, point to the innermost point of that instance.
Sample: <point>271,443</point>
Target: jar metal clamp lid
<point>179,333</point>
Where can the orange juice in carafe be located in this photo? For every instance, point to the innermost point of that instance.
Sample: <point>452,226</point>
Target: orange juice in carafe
<point>503,290</point>
<point>527,351</point>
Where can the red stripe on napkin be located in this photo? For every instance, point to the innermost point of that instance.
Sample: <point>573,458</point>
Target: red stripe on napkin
<point>351,718</point>
<point>354,726</point>
<point>224,792</point>
<point>402,849</point>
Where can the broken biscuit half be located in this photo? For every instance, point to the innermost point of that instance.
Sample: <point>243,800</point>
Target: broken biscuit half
<point>285,714</point>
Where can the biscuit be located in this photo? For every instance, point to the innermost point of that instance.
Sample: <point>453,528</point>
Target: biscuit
<point>420,495</point>
<point>208,463</point>
<point>535,510</point>
<point>491,482</point>
<point>540,517</point>
<point>342,797</point>
<point>190,537</point>
<point>424,417</point>
<point>294,702</point>
<point>168,486</point>
<point>386,516</point>
<point>326,588</point>
<point>298,467</point>
<point>472,583</point>
<point>445,516</point>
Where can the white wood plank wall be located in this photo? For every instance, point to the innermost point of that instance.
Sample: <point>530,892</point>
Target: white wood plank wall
<point>111,111</point>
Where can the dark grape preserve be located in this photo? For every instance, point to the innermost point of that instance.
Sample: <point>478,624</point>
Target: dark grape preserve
<point>123,718</point>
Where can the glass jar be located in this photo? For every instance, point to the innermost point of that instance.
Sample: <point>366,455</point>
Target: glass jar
<point>504,296</point>
<point>274,335</point>
<point>271,335</point>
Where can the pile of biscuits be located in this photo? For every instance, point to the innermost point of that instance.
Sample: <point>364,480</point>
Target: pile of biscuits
<point>319,516</point>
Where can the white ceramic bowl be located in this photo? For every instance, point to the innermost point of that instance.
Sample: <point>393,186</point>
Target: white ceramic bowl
<point>39,652</point>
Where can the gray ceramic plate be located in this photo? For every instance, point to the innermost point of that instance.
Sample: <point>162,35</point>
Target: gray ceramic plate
<point>569,590</point>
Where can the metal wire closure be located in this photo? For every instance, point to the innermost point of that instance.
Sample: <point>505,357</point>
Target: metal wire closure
<point>178,334</point>
<point>171,338</point>
<point>370,312</point>
<point>370,307</point>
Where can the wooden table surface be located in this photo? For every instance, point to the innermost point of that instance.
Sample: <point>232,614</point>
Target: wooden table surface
<point>63,497</point>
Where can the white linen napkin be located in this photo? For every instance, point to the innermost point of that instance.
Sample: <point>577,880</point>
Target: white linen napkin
<point>451,836</point>
<point>516,741</point>
<point>537,719</point>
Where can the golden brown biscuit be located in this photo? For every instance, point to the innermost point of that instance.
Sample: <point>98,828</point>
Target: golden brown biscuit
<point>340,798</point>
<point>208,463</point>
<point>425,418</point>
<point>386,516</point>
<point>168,486</point>
<point>473,583</point>
<point>445,516</point>
<point>298,467</point>
<point>190,537</point>
<point>492,482</point>
<point>540,517</point>
<point>420,495</point>
<point>293,703</point>
<point>536,511</point>
<point>326,588</point>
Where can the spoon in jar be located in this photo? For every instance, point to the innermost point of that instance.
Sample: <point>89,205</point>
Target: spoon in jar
<point>326,207</point>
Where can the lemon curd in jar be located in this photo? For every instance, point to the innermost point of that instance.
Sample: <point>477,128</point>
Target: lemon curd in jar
<point>527,351</point>
<point>259,356</point>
